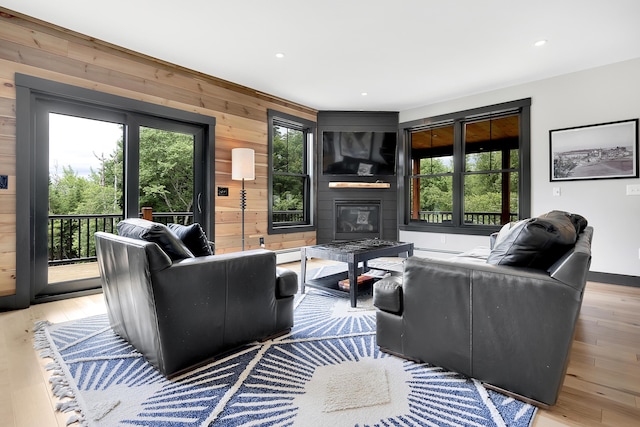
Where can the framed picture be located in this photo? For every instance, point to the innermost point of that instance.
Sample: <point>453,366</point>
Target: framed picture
<point>601,151</point>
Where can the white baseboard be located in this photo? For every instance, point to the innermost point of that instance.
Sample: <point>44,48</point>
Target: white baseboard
<point>287,255</point>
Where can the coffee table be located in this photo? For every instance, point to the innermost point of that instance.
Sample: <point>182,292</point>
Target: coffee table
<point>352,252</point>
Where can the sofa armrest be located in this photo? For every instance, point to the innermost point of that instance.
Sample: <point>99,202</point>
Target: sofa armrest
<point>387,294</point>
<point>286,282</point>
<point>573,266</point>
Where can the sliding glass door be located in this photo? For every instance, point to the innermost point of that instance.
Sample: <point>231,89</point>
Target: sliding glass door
<point>96,167</point>
<point>85,160</point>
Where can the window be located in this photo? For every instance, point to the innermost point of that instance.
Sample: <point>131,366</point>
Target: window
<point>290,183</point>
<point>469,171</point>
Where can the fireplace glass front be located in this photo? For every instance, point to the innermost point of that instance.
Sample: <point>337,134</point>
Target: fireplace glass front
<point>357,219</point>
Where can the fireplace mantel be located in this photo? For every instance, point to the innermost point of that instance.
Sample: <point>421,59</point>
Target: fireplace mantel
<point>359,185</point>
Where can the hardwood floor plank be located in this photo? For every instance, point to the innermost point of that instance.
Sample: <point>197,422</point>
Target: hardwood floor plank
<point>595,351</point>
<point>620,419</point>
<point>626,381</point>
<point>6,407</point>
<point>599,391</point>
<point>631,369</point>
<point>573,409</point>
<point>32,407</point>
<point>545,420</point>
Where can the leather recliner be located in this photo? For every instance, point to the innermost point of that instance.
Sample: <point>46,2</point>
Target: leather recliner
<point>510,327</point>
<point>183,313</point>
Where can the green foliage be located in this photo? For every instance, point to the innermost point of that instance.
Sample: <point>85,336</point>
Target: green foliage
<point>436,192</point>
<point>287,193</point>
<point>166,184</point>
<point>288,150</point>
<point>66,192</point>
<point>166,170</point>
<point>482,188</point>
<point>288,168</point>
<point>166,179</point>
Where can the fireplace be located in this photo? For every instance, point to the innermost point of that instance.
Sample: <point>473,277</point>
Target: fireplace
<point>357,219</point>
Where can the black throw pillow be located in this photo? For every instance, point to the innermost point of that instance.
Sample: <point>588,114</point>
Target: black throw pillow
<point>137,228</point>
<point>579,222</point>
<point>538,242</point>
<point>193,237</point>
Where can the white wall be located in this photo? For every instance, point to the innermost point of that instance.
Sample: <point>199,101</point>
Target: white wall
<point>599,95</point>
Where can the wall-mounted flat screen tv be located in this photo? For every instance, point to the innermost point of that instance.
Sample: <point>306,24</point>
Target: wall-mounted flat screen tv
<point>359,153</point>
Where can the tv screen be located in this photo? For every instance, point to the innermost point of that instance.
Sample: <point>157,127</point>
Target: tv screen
<point>359,153</point>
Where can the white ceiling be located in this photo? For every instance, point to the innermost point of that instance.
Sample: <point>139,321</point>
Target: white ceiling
<point>403,53</point>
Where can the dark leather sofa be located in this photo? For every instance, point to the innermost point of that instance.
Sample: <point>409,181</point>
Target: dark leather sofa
<point>183,312</point>
<point>485,316</point>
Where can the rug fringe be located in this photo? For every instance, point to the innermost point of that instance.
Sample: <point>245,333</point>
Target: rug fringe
<point>59,384</point>
<point>76,419</point>
<point>40,341</point>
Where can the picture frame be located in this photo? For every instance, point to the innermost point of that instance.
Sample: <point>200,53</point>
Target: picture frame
<point>598,151</point>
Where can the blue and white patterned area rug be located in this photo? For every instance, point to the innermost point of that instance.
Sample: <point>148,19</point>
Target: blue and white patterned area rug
<point>327,372</point>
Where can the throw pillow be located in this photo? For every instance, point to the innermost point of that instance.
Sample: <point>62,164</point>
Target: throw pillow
<point>537,242</point>
<point>193,237</point>
<point>507,229</point>
<point>137,228</point>
<point>579,222</point>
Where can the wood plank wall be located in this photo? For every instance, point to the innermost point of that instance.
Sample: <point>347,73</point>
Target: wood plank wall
<point>36,48</point>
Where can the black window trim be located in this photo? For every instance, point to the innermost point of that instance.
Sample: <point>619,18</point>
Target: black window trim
<point>309,128</point>
<point>458,119</point>
<point>32,91</point>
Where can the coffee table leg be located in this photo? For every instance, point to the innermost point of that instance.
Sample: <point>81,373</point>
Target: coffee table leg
<point>353,283</point>
<point>303,269</point>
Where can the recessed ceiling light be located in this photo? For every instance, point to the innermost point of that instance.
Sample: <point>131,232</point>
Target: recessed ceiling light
<point>279,55</point>
<point>364,94</point>
<point>540,43</point>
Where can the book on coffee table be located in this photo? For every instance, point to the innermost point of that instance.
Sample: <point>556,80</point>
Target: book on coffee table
<point>362,280</point>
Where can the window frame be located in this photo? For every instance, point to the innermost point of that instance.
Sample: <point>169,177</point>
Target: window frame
<point>308,128</point>
<point>520,107</point>
<point>33,94</point>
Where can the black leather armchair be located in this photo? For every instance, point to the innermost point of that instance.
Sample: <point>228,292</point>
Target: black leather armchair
<point>182,313</point>
<point>510,327</point>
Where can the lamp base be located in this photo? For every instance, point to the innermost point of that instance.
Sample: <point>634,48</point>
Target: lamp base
<point>243,204</point>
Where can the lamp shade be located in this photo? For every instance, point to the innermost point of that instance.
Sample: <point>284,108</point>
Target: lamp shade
<point>242,164</point>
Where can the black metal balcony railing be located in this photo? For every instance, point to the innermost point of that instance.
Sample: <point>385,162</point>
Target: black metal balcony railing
<point>184,218</point>
<point>296,216</point>
<point>479,218</point>
<point>71,236</point>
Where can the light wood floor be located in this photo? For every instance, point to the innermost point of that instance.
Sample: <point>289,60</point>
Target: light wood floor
<point>602,386</point>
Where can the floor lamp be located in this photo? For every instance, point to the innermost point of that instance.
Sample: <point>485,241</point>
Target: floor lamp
<point>243,168</point>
